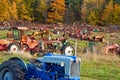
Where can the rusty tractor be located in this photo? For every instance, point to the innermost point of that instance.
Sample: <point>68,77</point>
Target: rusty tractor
<point>20,41</point>
<point>112,48</point>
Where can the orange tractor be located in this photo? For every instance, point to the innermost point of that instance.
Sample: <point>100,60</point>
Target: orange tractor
<point>23,42</point>
<point>20,41</point>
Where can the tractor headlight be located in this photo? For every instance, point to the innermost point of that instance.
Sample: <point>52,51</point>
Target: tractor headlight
<point>62,64</point>
<point>78,60</point>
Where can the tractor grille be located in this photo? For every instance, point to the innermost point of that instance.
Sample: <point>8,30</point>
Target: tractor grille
<point>75,69</point>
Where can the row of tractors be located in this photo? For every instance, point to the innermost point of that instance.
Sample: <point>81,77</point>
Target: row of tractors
<point>22,41</point>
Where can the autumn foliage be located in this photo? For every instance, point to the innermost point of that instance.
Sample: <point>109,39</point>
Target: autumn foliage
<point>94,12</point>
<point>56,11</point>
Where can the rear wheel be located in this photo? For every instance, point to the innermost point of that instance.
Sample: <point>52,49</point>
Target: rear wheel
<point>68,49</point>
<point>14,47</point>
<point>11,70</point>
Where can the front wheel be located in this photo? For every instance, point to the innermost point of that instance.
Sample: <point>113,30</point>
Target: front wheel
<point>68,49</point>
<point>14,47</point>
<point>11,70</point>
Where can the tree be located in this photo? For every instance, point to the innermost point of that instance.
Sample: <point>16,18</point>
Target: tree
<point>39,10</point>
<point>76,5</point>
<point>92,18</point>
<point>4,10</point>
<point>90,8</point>
<point>29,7</point>
<point>13,11</point>
<point>107,13</point>
<point>116,15</point>
<point>23,12</point>
<point>56,11</point>
<point>73,10</point>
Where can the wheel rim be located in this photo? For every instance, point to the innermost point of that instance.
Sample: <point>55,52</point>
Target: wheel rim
<point>69,51</point>
<point>25,48</point>
<point>14,48</point>
<point>8,76</point>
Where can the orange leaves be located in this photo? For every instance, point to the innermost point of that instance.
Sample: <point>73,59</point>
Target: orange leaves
<point>4,10</point>
<point>13,11</point>
<point>54,17</point>
<point>57,10</point>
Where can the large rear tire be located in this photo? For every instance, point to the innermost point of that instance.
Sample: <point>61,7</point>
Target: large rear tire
<point>11,70</point>
<point>14,47</point>
<point>68,49</point>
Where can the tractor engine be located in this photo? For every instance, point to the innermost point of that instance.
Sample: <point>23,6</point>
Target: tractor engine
<point>44,71</point>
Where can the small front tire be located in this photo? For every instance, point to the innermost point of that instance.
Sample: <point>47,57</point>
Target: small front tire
<point>14,47</point>
<point>68,49</point>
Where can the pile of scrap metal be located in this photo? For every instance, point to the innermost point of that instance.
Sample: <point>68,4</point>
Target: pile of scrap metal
<point>83,34</point>
<point>112,48</point>
<point>72,31</point>
<point>98,38</point>
<point>92,38</point>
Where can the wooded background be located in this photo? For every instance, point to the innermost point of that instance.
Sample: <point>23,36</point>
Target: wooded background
<point>94,12</point>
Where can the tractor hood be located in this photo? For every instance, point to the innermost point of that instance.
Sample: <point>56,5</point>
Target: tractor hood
<point>63,60</point>
<point>5,42</point>
<point>56,58</point>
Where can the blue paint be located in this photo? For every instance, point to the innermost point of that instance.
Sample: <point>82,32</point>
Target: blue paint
<point>49,68</point>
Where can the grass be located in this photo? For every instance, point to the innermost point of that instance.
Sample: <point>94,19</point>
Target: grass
<point>100,67</point>
<point>93,66</point>
<point>6,55</point>
<point>3,33</point>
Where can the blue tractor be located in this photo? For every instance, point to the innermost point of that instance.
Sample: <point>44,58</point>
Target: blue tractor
<point>48,67</point>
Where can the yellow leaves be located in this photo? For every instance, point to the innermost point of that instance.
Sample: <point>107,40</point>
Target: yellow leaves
<point>54,17</point>
<point>92,18</point>
<point>60,3</point>
<point>116,14</point>
<point>58,9</point>
<point>88,5</point>
<point>111,14</point>
<point>23,13</point>
<point>43,5</point>
<point>25,17</point>
<point>13,11</point>
<point>107,12</point>
<point>4,10</point>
